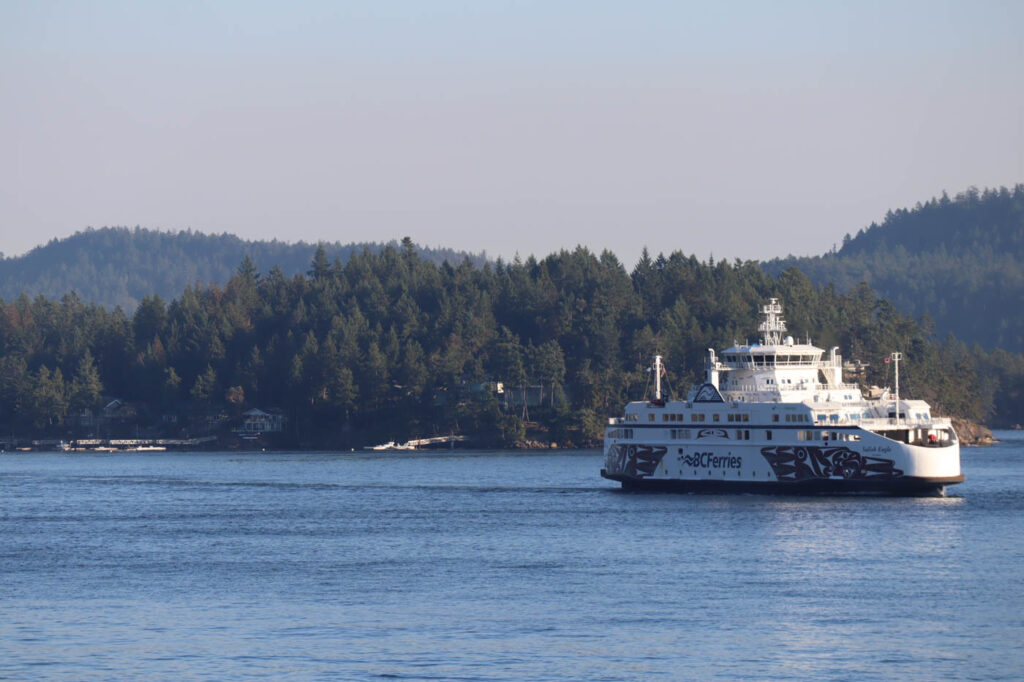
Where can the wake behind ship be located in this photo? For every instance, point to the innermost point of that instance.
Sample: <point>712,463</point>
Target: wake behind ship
<point>775,417</point>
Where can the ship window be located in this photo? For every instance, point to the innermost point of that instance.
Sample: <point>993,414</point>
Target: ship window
<point>650,417</point>
<point>775,417</point>
<point>717,416</point>
<point>767,435</point>
<point>746,417</point>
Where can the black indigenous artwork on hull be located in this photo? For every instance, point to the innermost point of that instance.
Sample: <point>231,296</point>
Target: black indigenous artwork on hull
<point>637,460</point>
<point>801,463</point>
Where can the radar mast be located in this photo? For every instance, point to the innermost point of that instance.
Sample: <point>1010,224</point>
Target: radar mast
<point>773,326</point>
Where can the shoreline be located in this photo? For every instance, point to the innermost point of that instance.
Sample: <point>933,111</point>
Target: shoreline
<point>969,433</point>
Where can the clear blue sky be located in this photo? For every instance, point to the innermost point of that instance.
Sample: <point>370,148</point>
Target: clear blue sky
<point>739,129</point>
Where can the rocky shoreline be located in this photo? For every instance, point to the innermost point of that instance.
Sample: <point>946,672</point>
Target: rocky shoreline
<point>972,434</point>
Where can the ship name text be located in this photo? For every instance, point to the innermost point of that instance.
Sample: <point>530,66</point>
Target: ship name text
<point>709,460</point>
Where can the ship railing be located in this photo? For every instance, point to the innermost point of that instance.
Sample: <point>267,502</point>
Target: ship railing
<point>795,364</point>
<point>826,387</point>
<point>911,422</point>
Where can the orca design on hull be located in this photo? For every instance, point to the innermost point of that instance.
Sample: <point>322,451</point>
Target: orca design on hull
<point>637,461</point>
<point>801,463</point>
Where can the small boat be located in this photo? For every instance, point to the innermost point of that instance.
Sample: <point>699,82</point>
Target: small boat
<point>391,446</point>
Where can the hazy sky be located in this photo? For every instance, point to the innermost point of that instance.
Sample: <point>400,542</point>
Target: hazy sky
<point>738,129</point>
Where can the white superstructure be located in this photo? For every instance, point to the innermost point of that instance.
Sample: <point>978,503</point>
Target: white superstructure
<point>775,416</point>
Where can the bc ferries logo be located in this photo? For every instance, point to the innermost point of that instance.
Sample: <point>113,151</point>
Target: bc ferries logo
<point>709,460</point>
<point>801,463</point>
<point>712,433</point>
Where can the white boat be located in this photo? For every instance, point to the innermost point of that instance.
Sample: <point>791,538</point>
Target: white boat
<point>390,446</point>
<point>776,417</point>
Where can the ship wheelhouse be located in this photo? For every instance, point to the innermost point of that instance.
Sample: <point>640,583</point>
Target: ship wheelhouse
<point>777,369</point>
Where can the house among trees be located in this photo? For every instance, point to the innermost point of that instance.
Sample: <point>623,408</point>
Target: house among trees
<point>515,397</point>
<point>120,411</point>
<point>256,422</point>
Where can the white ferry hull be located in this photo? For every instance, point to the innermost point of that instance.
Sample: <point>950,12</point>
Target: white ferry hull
<point>872,465</point>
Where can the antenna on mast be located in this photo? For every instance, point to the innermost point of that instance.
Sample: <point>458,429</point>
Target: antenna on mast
<point>657,377</point>
<point>896,357</point>
<point>772,326</point>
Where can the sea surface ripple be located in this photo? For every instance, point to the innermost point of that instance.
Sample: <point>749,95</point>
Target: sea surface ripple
<point>491,566</point>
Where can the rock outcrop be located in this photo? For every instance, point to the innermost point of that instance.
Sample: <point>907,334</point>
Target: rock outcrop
<point>971,433</point>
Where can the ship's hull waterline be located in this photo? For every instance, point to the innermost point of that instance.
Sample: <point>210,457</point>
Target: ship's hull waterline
<point>906,486</point>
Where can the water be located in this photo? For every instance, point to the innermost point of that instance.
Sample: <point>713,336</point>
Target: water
<point>494,566</point>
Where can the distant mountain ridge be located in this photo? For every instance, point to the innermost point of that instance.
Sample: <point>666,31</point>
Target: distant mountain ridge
<point>958,261</point>
<point>119,266</point>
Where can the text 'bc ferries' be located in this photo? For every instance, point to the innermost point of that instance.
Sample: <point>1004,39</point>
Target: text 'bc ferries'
<point>775,416</point>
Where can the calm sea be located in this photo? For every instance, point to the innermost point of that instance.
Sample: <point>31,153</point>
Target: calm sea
<point>473,565</point>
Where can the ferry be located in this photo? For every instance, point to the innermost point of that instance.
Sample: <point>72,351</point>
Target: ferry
<point>775,417</point>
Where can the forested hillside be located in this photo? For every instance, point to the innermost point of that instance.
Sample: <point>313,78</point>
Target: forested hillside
<point>390,345</point>
<point>118,266</point>
<point>959,261</point>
